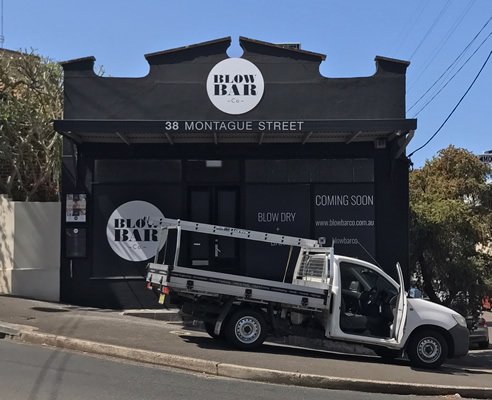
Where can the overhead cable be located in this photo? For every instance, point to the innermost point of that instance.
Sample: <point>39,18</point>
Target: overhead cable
<point>448,36</point>
<point>456,73</point>
<point>454,109</point>
<point>451,65</point>
<point>431,27</point>
<point>408,26</point>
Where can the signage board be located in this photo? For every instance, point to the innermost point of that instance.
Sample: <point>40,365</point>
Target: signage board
<point>485,158</point>
<point>133,230</point>
<point>235,86</point>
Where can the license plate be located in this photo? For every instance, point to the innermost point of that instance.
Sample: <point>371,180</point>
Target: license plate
<point>162,297</point>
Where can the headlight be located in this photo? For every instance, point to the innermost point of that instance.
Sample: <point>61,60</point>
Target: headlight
<point>460,320</point>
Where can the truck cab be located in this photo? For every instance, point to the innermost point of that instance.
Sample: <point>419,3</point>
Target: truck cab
<point>369,307</point>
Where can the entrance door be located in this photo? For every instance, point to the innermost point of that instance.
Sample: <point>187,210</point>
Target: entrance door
<point>217,206</point>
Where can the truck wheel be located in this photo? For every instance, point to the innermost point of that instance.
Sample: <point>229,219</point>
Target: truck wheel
<point>427,349</point>
<point>210,329</point>
<point>246,329</point>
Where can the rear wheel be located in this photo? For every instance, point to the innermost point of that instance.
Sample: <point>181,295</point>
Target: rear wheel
<point>246,329</point>
<point>427,349</point>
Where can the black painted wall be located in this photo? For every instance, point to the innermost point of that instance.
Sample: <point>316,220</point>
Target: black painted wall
<point>175,89</point>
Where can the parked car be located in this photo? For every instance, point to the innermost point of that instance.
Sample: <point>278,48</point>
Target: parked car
<point>487,303</point>
<point>479,332</point>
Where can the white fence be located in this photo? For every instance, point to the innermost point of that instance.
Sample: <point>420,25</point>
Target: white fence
<point>30,249</point>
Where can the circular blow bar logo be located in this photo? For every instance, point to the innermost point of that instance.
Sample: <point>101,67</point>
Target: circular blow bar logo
<point>235,86</point>
<point>133,230</point>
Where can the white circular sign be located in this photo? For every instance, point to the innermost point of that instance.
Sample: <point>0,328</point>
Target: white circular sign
<point>235,86</point>
<point>133,230</point>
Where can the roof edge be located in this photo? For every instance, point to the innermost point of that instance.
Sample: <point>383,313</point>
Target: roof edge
<point>78,60</point>
<point>277,46</point>
<point>393,60</point>
<point>192,46</point>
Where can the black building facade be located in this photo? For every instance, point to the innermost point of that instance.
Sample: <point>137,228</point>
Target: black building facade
<point>262,142</point>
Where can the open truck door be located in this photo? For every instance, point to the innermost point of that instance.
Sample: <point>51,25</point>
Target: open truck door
<point>400,311</point>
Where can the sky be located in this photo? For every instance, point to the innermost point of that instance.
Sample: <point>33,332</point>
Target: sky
<point>446,41</point>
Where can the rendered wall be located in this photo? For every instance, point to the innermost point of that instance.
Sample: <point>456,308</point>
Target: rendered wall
<point>30,249</point>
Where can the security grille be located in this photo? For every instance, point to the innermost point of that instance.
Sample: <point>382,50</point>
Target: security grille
<point>312,267</point>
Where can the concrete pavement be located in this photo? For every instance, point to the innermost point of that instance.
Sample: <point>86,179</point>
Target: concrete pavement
<point>165,341</point>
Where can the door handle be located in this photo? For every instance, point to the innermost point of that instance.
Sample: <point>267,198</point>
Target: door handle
<point>217,250</point>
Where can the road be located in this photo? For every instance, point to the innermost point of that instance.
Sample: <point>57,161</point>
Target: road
<point>30,372</point>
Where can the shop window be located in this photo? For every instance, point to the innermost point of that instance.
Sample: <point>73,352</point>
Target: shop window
<point>363,170</point>
<point>342,170</point>
<point>314,171</point>
<point>298,171</point>
<point>210,171</point>
<point>137,171</point>
<point>320,170</point>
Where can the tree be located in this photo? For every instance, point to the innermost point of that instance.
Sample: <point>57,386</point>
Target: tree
<point>451,225</point>
<point>31,98</point>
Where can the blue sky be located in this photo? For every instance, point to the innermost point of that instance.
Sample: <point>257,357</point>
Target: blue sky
<point>431,34</point>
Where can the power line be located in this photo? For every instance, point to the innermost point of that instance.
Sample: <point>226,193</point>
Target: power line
<point>451,65</point>
<point>456,73</point>
<point>448,36</point>
<point>454,109</point>
<point>431,27</point>
<point>408,26</point>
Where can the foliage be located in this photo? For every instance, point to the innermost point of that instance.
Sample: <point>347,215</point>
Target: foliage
<point>451,228</point>
<point>31,97</point>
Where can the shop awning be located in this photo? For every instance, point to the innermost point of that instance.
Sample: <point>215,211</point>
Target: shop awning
<point>133,132</point>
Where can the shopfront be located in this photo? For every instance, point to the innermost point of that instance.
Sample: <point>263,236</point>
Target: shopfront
<point>262,142</point>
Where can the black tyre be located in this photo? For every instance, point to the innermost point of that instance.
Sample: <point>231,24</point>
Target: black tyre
<point>483,345</point>
<point>210,329</point>
<point>246,329</point>
<point>427,349</point>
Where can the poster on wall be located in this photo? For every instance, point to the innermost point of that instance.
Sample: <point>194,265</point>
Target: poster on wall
<point>76,207</point>
<point>344,216</point>
<point>126,233</point>
<point>280,209</point>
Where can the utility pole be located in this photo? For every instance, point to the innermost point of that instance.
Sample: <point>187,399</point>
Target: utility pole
<point>2,38</point>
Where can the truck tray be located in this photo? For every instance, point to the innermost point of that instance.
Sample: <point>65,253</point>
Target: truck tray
<point>200,282</point>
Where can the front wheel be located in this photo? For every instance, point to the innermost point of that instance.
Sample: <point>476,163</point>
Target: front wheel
<point>246,329</point>
<point>427,349</point>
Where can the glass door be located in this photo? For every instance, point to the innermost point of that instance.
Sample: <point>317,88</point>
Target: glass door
<point>214,205</point>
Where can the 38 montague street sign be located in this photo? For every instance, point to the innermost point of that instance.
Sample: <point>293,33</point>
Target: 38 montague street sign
<point>234,126</point>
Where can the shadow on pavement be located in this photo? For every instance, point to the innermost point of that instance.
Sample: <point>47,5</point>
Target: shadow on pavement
<point>267,348</point>
<point>49,309</point>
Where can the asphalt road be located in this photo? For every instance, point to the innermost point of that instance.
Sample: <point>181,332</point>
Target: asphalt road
<point>30,372</point>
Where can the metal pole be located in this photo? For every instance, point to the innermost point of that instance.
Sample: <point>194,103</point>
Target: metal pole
<point>2,38</point>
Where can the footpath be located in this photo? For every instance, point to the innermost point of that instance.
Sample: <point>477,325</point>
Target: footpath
<point>162,338</point>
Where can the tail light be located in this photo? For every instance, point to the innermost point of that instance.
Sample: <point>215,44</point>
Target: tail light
<point>482,322</point>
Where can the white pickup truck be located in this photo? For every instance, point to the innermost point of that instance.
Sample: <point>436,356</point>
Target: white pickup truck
<point>331,297</point>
